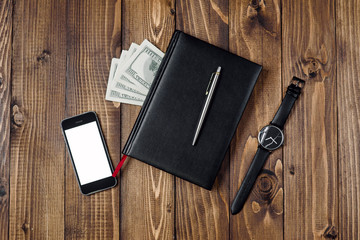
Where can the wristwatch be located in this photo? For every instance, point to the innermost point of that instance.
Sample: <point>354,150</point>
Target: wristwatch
<point>270,138</point>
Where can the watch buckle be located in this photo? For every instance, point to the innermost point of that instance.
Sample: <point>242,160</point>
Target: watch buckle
<point>297,82</point>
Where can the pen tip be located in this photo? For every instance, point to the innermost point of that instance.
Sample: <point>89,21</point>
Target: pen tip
<point>218,69</point>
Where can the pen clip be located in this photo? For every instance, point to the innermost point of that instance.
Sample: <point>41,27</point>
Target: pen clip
<point>209,85</point>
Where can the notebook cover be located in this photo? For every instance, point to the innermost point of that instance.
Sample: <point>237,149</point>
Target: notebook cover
<point>164,130</point>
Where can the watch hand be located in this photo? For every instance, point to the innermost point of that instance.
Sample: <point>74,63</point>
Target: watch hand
<point>268,145</point>
<point>271,139</point>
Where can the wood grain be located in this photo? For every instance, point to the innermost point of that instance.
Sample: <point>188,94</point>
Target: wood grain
<point>203,214</point>
<point>310,151</point>
<point>5,85</point>
<point>147,194</point>
<point>54,63</point>
<point>255,33</point>
<point>37,147</point>
<point>348,99</point>
<point>90,49</point>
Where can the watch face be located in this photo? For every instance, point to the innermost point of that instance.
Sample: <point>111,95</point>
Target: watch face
<point>271,137</point>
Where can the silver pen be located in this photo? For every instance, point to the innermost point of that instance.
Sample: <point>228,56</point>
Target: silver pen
<point>209,93</point>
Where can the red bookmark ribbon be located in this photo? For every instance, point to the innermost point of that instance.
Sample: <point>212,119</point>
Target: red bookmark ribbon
<point>117,169</point>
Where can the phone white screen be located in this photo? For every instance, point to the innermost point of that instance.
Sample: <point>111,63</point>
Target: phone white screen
<point>88,153</point>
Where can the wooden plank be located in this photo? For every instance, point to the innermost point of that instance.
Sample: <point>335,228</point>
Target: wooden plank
<point>203,214</point>
<point>147,194</point>
<point>310,151</point>
<point>348,99</point>
<point>92,27</point>
<point>5,83</point>
<point>255,33</point>
<point>37,146</point>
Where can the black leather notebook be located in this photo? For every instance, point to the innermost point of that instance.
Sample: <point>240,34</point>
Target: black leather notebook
<point>164,130</point>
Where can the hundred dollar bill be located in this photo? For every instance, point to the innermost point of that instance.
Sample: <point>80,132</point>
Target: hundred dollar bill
<point>121,91</point>
<point>140,68</point>
<point>114,65</point>
<point>121,87</point>
<point>124,98</point>
<point>119,61</point>
<point>132,49</point>
<point>111,73</point>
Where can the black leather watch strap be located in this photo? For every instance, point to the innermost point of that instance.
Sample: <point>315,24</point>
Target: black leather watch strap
<point>268,132</point>
<point>249,180</point>
<point>292,93</point>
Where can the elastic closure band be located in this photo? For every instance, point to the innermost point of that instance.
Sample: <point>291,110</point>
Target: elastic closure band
<point>117,169</point>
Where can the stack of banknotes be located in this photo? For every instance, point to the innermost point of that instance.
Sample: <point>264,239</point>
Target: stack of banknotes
<point>132,74</point>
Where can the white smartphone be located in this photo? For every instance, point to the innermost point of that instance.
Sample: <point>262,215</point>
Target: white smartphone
<point>88,152</point>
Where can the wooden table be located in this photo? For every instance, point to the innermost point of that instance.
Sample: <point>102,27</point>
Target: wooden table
<point>54,63</point>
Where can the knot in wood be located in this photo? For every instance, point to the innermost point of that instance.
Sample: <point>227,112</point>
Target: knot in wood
<point>168,207</point>
<point>331,232</point>
<point>2,191</point>
<point>266,186</point>
<point>17,116</point>
<point>2,80</point>
<point>256,9</point>
<point>251,12</point>
<point>292,170</point>
<point>255,4</point>
<point>44,56</point>
<point>311,67</point>
<point>25,227</point>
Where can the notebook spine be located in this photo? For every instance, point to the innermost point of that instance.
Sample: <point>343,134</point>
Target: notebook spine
<point>151,94</point>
